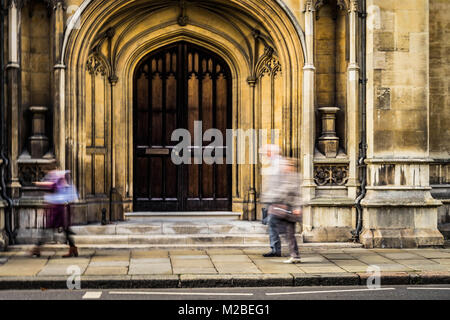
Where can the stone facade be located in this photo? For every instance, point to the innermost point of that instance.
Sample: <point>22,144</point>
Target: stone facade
<point>367,121</point>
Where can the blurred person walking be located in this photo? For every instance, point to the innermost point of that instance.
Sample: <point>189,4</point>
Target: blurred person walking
<point>282,196</point>
<point>270,157</point>
<point>61,192</point>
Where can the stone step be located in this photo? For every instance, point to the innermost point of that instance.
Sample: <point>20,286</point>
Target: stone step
<point>167,240</point>
<point>172,227</point>
<point>167,233</point>
<point>313,246</point>
<point>182,215</point>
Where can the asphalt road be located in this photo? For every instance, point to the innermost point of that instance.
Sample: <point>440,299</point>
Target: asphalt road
<point>429,292</point>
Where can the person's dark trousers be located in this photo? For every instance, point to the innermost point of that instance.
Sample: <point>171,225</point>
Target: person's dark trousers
<point>275,226</point>
<point>292,241</point>
<point>265,216</point>
<point>69,239</point>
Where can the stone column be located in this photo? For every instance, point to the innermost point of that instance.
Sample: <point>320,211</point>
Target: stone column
<point>307,147</point>
<point>352,101</point>
<point>58,84</point>
<point>13,94</point>
<point>115,197</point>
<point>251,207</point>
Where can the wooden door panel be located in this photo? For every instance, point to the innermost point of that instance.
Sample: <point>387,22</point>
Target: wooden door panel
<point>174,87</point>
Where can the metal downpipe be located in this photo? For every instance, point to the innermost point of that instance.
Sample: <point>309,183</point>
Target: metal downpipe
<point>363,133</point>
<point>3,132</point>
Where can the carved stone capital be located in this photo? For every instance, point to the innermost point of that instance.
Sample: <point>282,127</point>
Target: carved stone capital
<point>251,81</point>
<point>309,6</point>
<point>113,80</point>
<point>353,7</point>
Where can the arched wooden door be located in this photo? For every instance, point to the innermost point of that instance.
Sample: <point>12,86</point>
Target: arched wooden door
<point>173,87</point>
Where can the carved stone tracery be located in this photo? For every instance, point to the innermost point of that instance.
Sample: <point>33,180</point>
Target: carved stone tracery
<point>33,172</point>
<point>347,5</point>
<point>331,174</point>
<point>95,66</point>
<point>267,63</point>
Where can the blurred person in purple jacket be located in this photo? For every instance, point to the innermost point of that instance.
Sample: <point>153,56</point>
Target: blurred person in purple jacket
<point>61,193</point>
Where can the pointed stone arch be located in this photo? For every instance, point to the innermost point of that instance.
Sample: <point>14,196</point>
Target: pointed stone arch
<point>252,36</point>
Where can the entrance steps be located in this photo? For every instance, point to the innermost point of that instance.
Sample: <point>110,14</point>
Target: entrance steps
<point>161,233</point>
<point>175,232</point>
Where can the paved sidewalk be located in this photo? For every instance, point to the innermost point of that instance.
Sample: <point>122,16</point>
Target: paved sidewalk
<point>222,267</point>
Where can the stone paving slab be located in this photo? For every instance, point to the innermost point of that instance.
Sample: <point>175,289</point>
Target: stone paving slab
<point>117,263</point>
<point>186,252</point>
<point>320,268</point>
<point>228,252</point>
<point>66,261</point>
<point>60,269</point>
<point>400,255</point>
<point>276,266</point>
<point>394,267</point>
<point>373,259</point>
<point>442,261</point>
<point>338,256</point>
<point>434,254</point>
<point>106,271</point>
<point>154,268</point>
<point>238,258</point>
<point>149,253</point>
<point>351,265</point>
<point>149,261</point>
<point>182,270</point>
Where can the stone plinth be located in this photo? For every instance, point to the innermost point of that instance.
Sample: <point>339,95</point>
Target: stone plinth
<point>398,210</point>
<point>328,142</point>
<point>38,140</point>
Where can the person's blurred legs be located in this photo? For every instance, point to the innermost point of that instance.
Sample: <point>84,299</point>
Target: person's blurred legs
<point>274,236</point>
<point>292,241</point>
<point>73,250</point>
<point>36,251</point>
<point>265,216</point>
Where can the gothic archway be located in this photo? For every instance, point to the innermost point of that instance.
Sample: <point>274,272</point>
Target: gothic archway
<point>256,39</point>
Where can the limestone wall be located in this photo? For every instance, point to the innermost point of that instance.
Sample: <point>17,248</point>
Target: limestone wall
<point>35,66</point>
<point>397,69</point>
<point>439,25</point>
<point>398,202</point>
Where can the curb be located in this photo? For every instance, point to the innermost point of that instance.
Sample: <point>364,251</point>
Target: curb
<point>226,280</point>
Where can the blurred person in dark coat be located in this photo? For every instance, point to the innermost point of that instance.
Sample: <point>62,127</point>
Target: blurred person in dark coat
<point>281,193</point>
